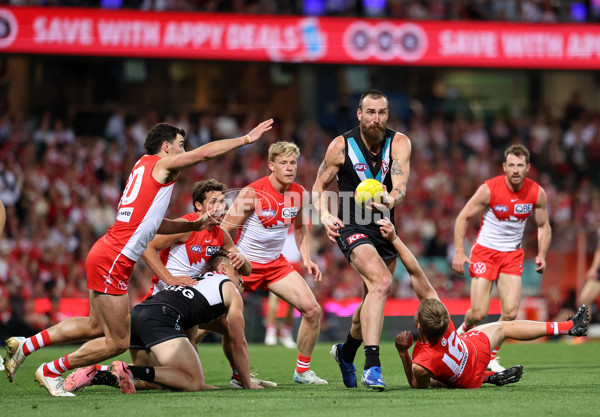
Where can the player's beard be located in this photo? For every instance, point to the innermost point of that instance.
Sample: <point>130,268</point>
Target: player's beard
<point>373,133</point>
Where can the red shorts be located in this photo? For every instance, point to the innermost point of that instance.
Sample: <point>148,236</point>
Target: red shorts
<point>484,354</point>
<point>265,274</point>
<point>488,263</point>
<point>107,270</point>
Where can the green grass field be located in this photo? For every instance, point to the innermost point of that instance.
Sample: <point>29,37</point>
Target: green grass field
<point>559,380</point>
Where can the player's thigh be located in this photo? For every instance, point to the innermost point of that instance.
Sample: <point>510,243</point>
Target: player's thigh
<point>509,291</point>
<point>141,357</point>
<point>112,311</point>
<point>178,353</point>
<point>493,331</point>
<point>369,265</point>
<point>294,290</point>
<point>481,288</point>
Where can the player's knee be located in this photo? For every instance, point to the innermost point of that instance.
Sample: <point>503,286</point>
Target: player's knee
<point>196,385</point>
<point>312,312</point>
<point>478,316</point>
<point>384,286</point>
<point>509,315</point>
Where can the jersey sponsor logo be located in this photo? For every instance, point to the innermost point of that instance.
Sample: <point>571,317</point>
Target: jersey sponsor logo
<point>479,267</point>
<point>360,167</point>
<point>500,208</point>
<point>523,208</point>
<point>187,293</point>
<point>124,214</point>
<point>196,249</point>
<point>211,250</point>
<point>355,237</point>
<point>384,167</point>
<point>268,213</point>
<point>289,213</point>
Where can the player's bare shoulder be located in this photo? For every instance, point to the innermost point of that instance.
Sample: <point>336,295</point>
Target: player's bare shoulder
<point>336,152</point>
<point>401,144</point>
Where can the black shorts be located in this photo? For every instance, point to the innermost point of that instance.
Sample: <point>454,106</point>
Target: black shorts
<point>352,236</point>
<point>153,324</point>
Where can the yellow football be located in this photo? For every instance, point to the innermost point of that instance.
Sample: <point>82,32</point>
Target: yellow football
<point>368,190</point>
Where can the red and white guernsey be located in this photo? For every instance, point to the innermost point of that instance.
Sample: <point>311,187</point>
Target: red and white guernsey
<point>452,360</point>
<point>141,210</point>
<point>188,258</point>
<point>262,236</point>
<point>503,222</point>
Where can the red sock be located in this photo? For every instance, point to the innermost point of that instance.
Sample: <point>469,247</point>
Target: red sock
<point>556,328</point>
<point>494,354</point>
<point>33,343</point>
<point>57,367</point>
<point>463,327</point>
<point>102,367</point>
<point>302,364</point>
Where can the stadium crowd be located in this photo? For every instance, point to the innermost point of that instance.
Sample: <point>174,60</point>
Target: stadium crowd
<point>543,11</point>
<point>61,190</point>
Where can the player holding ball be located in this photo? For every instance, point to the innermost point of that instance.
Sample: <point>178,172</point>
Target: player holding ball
<point>372,152</point>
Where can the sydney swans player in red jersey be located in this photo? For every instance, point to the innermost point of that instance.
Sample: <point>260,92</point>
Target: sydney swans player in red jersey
<point>506,201</point>
<point>112,258</point>
<point>441,357</point>
<point>183,255</point>
<point>265,210</point>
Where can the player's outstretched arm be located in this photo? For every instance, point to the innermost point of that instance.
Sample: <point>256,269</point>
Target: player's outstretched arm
<point>235,326</point>
<point>333,161</point>
<point>238,260</point>
<point>543,229</point>
<point>421,284</point>
<point>212,150</point>
<point>475,205</point>
<point>152,259</point>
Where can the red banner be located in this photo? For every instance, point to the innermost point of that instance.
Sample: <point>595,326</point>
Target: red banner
<point>298,39</point>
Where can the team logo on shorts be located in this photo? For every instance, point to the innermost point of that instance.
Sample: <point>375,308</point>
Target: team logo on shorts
<point>196,249</point>
<point>355,237</point>
<point>479,267</point>
<point>122,285</point>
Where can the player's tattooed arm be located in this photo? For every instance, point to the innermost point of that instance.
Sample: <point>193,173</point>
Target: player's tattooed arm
<point>400,169</point>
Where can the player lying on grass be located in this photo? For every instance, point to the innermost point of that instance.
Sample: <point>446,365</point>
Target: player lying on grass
<point>158,337</point>
<point>176,258</point>
<point>441,358</point>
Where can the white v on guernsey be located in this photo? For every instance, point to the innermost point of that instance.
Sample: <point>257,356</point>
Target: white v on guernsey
<point>263,235</point>
<point>503,222</point>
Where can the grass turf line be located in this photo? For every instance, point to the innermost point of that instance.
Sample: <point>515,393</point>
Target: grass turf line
<point>559,379</point>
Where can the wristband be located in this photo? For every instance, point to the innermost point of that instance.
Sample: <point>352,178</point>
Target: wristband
<point>395,239</point>
<point>246,140</point>
<point>324,217</point>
